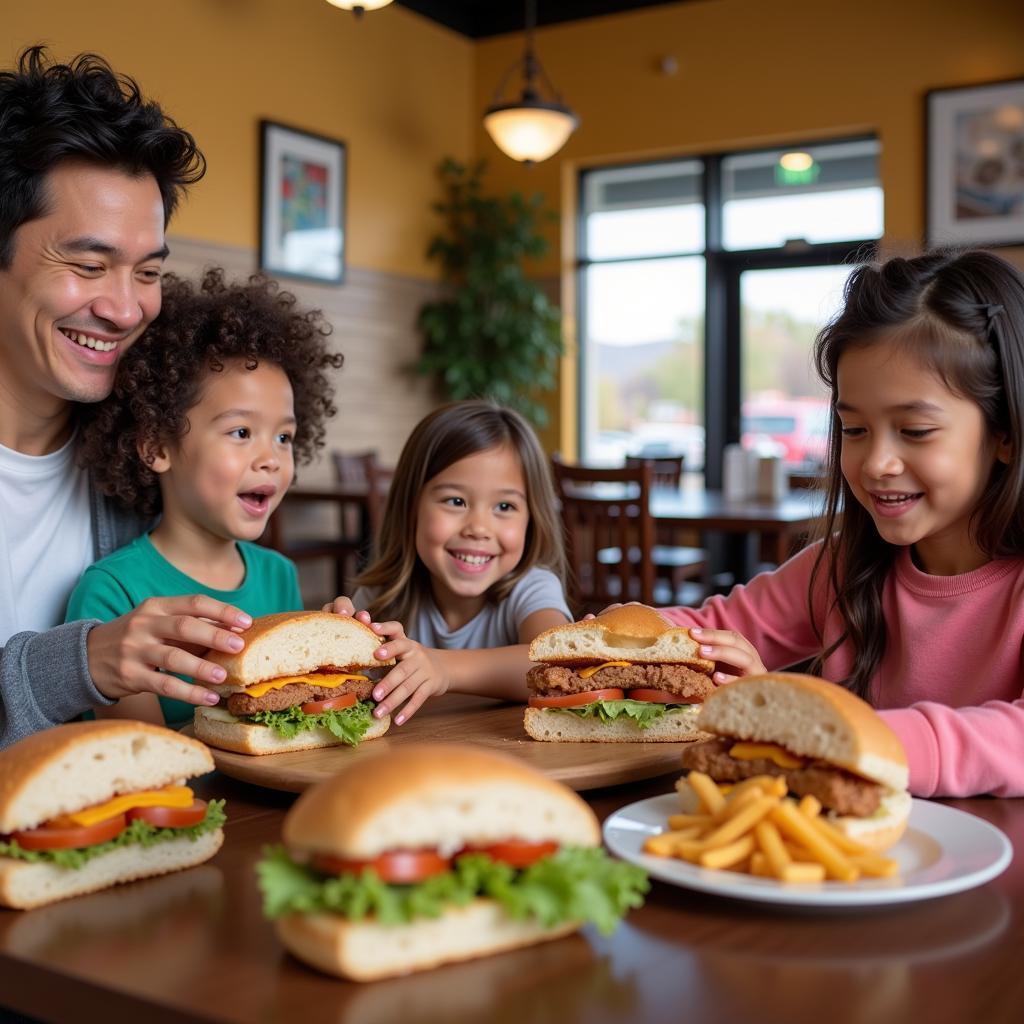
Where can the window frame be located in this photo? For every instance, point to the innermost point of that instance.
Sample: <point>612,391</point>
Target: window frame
<point>723,268</point>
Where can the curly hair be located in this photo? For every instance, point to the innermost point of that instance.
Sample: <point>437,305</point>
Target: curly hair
<point>51,112</point>
<point>161,377</point>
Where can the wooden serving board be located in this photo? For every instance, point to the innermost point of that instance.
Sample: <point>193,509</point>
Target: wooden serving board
<point>463,719</point>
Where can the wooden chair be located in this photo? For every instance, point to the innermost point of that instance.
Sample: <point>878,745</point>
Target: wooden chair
<point>666,471</point>
<point>677,556</point>
<point>609,535</point>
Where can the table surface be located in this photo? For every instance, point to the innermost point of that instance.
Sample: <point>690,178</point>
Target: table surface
<point>714,511</point>
<point>194,946</point>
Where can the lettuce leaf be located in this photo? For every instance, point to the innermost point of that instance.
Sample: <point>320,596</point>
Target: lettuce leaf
<point>574,884</point>
<point>138,833</point>
<point>348,724</point>
<point>643,712</point>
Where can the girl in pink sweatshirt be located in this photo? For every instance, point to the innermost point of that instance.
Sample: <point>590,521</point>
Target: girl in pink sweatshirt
<point>915,598</point>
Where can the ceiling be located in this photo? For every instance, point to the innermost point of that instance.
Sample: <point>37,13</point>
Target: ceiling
<point>480,18</point>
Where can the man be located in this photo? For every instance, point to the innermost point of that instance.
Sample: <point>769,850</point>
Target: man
<point>90,173</point>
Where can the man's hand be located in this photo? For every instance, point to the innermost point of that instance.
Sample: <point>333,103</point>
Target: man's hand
<point>137,652</point>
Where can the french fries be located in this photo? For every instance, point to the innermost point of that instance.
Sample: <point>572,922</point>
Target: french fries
<point>754,827</point>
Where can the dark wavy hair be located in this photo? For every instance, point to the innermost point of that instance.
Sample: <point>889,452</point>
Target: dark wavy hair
<point>51,112</point>
<point>962,315</point>
<point>444,437</point>
<point>160,378</point>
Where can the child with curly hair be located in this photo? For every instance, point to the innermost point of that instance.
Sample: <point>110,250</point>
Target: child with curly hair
<point>210,412</point>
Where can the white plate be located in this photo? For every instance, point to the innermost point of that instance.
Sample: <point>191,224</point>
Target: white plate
<point>943,851</point>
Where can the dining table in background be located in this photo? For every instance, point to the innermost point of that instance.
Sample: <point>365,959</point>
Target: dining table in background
<point>194,946</point>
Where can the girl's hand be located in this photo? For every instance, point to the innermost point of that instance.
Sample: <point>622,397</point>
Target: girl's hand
<point>417,676</point>
<point>344,606</point>
<point>727,647</point>
<point>137,652</point>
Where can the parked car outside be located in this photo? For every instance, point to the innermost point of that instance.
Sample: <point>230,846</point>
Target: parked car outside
<point>795,429</point>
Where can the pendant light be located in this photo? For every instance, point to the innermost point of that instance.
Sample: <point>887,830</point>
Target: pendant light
<point>359,6</point>
<point>532,128</point>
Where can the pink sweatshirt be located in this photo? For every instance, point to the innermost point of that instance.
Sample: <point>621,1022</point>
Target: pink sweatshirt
<point>950,682</point>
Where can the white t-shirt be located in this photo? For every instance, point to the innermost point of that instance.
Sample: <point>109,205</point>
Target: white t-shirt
<point>45,537</point>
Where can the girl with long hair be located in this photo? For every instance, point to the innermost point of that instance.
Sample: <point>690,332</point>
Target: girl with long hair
<point>914,598</point>
<point>470,563</point>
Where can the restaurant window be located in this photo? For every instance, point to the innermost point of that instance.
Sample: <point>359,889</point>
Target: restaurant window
<point>702,284</point>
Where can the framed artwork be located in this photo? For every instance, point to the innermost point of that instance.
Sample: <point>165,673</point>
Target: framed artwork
<point>975,185</point>
<point>302,204</point>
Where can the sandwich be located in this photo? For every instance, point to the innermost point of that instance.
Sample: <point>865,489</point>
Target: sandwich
<point>92,804</point>
<point>431,854</point>
<point>301,681</point>
<point>625,676</point>
<point>825,741</point>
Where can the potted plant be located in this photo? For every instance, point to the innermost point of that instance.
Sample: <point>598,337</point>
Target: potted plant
<point>495,334</point>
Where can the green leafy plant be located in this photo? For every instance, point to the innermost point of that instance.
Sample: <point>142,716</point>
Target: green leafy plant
<point>495,334</point>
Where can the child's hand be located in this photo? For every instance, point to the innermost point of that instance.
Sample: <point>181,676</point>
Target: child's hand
<point>344,606</point>
<point>418,675</point>
<point>727,647</point>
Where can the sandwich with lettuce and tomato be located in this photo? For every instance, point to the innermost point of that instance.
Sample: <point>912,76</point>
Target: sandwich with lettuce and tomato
<point>89,805</point>
<point>302,680</point>
<point>626,676</point>
<point>432,853</point>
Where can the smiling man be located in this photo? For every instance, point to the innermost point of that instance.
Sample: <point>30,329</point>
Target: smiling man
<point>90,173</point>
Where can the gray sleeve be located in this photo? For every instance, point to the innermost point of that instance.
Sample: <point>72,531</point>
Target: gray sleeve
<point>538,590</point>
<point>45,680</point>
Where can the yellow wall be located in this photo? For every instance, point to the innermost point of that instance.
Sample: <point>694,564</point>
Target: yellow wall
<point>753,72</point>
<point>396,87</point>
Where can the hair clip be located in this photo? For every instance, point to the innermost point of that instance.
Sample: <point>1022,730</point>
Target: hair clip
<point>992,310</point>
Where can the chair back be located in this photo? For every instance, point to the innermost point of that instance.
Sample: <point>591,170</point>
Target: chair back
<point>609,533</point>
<point>363,469</point>
<point>666,471</point>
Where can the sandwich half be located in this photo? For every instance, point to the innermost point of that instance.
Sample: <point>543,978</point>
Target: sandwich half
<point>825,741</point>
<point>430,854</point>
<point>301,681</point>
<point>626,676</point>
<point>89,805</point>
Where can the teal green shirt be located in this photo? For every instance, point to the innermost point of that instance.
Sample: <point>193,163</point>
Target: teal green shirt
<point>114,585</point>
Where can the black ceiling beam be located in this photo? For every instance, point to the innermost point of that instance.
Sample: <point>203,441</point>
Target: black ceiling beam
<point>478,19</point>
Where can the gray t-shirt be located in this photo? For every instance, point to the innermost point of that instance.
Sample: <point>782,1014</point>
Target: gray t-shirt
<point>495,625</point>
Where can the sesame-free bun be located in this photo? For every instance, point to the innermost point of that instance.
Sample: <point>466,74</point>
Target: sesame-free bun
<point>294,643</point>
<point>70,767</point>
<point>553,726</point>
<point>218,727</point>
<point>811,718</point>
<point>366,950</point>
<point>24,885</point>
<point>631,632</point>
<point>435,796</point>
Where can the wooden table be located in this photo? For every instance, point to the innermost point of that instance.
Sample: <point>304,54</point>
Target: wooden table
<point>194,946</point>
<point>780,523</point>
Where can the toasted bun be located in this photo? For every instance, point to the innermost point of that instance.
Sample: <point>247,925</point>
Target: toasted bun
<point>366,950</point>
<point>221,729</point>
<point>24,885</point>
<point>878,832</point>
<point>294,643</point>
<point>69,767</point>
<point>435,796</point>
<point>552,726</point>
<point>632,632</point>
<point>812,718</point>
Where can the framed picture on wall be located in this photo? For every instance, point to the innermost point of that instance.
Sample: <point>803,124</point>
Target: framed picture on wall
<point>975,184</point>
<point>302,204</point>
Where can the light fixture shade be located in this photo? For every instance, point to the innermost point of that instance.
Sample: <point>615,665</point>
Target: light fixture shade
<point>362,5</point>
<point>529,130</point>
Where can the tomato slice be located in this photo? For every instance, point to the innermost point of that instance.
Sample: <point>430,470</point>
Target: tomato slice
<point>315,707</point>
<point>397,867</point>
<point>171,817</point>
<point>516,852</point>
<point>656,696</point>
<point>572,700</point>
<point>58,836</point>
